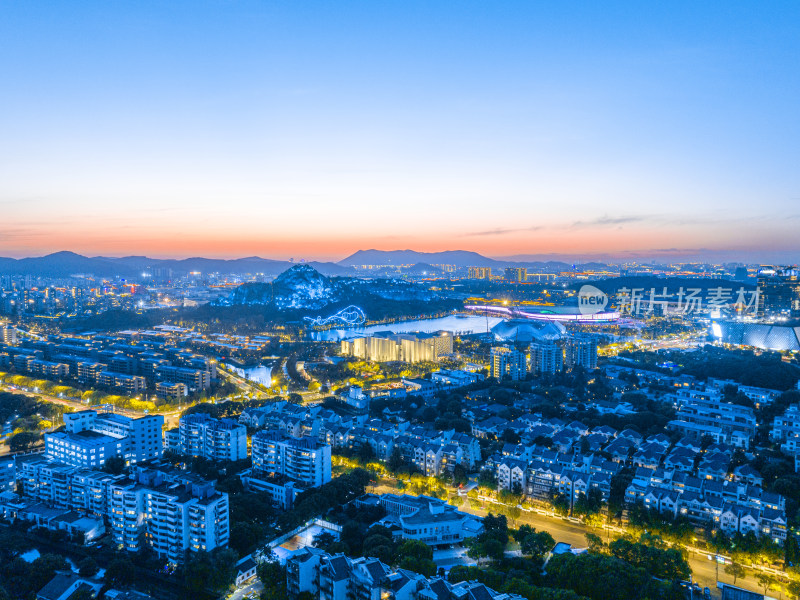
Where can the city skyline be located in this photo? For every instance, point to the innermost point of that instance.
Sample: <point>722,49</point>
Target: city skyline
<point>235,130</point>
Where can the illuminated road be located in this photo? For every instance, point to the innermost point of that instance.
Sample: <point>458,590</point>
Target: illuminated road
<point>574,533</point>
<point>170,417</point>
<point>244,384</point>
<point>248,590</point>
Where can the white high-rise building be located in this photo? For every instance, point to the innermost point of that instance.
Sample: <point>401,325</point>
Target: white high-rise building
<point>87,449</point>
<point>508,362</point>
<point>546,357</point>
<point>180,517</point>
<point>141,437</point>
<point>167,509</point>
<point>581,350</point>
<point>304,460</point>
<point>214,439</point>
<point>8,334</point>
<point>410,348</point>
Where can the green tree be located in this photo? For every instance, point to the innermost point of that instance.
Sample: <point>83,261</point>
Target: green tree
<point>88,567</point>
<point>395,462</point>
<point>595,543</point>
<point>83,593</point>
<point>460,476</point>
<point>114,465</point>
<point>589,504</point>
<point>416,556</point>
<point>24,440</point>
<point>273,577</point>
<point>561,504</point>
<point>120,572</point>
<point>487,479</point>
<point>736,571</point>
<point>366,453</point>
<point>765,581</point>
<point>44,568</point>
<point>532,542</point>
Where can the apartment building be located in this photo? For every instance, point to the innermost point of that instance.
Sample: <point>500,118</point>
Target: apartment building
<point>546,357</point>
<point>479,273</point>
<point>214,439</point>
<point>89,372</point>
<point>389,347</point>
<point>304,460</point>
<point>170,510</point>
<point>173,392</point>
<point>786,430</point>
<point>8,474</point>
<point>86,449</point>
<point>46,368</point>
<point>338,577</point>
<point>8,335</point>
<point>177,515</point>
<point>141,437</point>
<point>194,379</point>
<point>508,362</point>
<point>704,412</point>
<point>130,384</point>
<point>46,480</point>
<point>580,351</point>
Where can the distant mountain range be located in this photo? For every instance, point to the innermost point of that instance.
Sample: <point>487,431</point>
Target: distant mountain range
<point>64,264</point>
<point>459,258</point>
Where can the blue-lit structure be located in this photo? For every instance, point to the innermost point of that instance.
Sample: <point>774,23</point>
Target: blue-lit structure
<point>561,315</point>
<point>351,316</point>
<point>766,336</point>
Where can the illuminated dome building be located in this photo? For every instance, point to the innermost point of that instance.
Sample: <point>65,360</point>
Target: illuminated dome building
<point>527,331</point>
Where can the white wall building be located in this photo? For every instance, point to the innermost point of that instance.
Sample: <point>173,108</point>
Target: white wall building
<point>304,460</point>
<point>86,449</point>
<point>508,362</point>
<point>142,438</point>
<point>214,439</point>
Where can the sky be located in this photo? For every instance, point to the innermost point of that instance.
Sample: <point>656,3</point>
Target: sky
<point>314,129</point>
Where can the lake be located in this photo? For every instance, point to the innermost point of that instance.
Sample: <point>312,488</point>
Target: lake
<point>457,324</point>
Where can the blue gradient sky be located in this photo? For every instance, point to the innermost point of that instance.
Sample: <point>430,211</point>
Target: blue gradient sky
<point>317,128</point>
